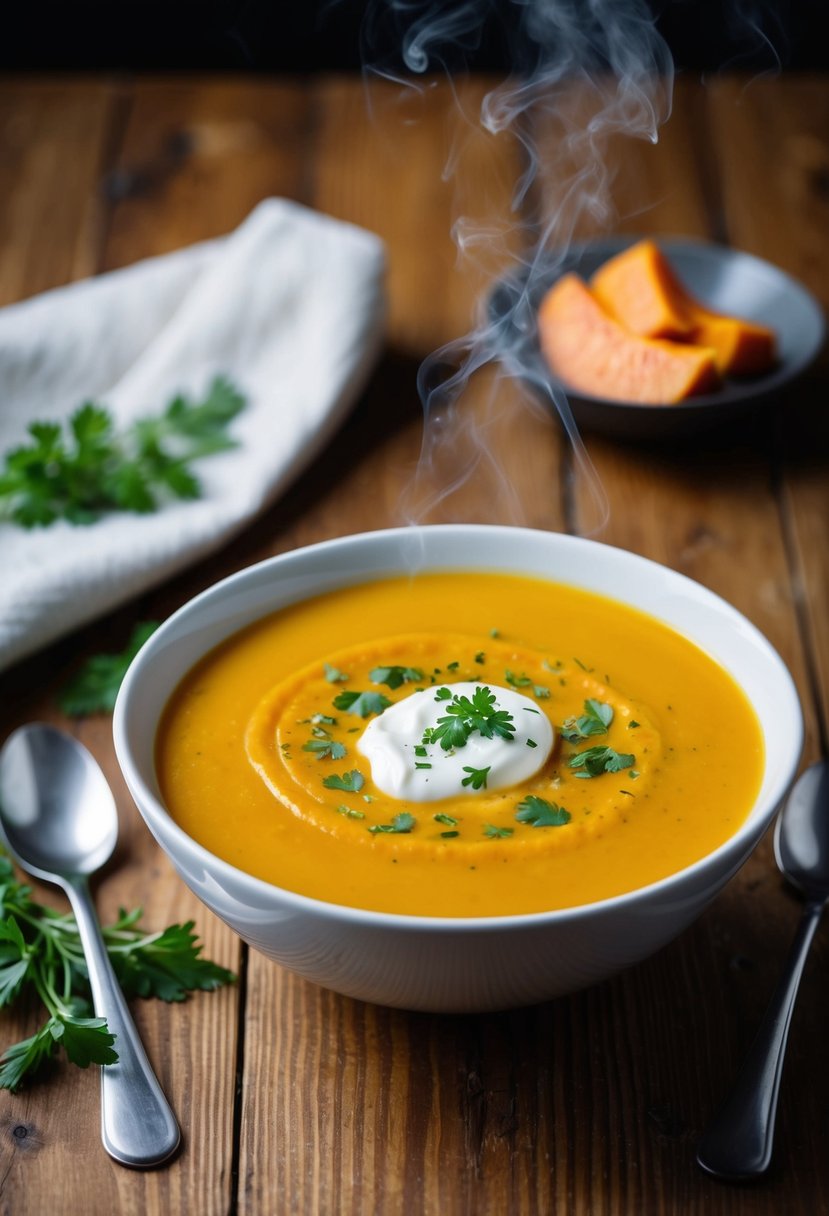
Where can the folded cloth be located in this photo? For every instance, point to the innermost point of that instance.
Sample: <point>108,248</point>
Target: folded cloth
<point>289,308</point>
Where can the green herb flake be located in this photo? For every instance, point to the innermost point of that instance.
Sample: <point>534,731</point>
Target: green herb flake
<point>350,812</point>
<point>351,782</point>
<point>449,835</point>
<point>633,774</point>
<point>326,749</point>
<point>541,691</point>
<point>595,720</point>
<point>404,822</point>
<point>496,833</point>
<point>453,666</point>
<point>333,675</point>
<point>517,681</point>
<point>363,704</point>
<point>494,633</point>
<point>394,677</point>
<point>633,724</point>
<point>541,813</point>
<point>594,761</point>
<point>480,657</point>
<point>422,764</point>
<point>448,820</point>
<point>531,743</point>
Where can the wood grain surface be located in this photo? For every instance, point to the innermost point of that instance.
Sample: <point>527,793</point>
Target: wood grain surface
<point>296,1100</point>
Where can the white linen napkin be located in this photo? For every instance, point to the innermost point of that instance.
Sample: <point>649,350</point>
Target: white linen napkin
<point>289,307</point>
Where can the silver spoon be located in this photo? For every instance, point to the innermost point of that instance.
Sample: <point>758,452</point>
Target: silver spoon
<point>59,819</point>
<point>738,1142</point>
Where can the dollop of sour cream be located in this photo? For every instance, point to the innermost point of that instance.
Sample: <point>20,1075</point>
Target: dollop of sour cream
<point>430,773</point>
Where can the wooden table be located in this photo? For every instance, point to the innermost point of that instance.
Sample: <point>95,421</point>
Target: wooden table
<point>293,1099</point>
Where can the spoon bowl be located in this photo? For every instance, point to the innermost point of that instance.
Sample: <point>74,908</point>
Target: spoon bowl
<point>56,808</point>
<point>801,836</point>
<point>59,819</point>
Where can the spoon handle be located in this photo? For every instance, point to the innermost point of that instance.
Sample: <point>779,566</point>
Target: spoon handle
<point>738,1142</point>
<point>138,1127</point>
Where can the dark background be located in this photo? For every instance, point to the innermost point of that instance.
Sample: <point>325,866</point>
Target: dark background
<point>324,35</point>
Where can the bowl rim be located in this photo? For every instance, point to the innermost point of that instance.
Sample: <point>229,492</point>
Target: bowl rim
<point>728,853</point>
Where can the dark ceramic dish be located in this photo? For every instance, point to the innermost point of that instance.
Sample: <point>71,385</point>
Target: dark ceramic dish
<point>724,279</point>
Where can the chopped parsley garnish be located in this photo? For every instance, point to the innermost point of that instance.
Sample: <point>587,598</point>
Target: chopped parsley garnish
<point>633,774</point>
<point>449,835</point>
<point>595,720</point>
<point>422,764</point>
<point>420,750</point>
<point>363,703</point>
<point>404,822</point>
<point>480,657</point>
<point>453,666</point>
<point>632,724</point>
<point>541,813</point>
<point>351,782</point>
<point>464,716</point>
<point>517,681</point>
<point>477,777</point>
<point>531,743</point>
<point>350,812</point>
<point>326,749</point>
<point>494,633</point>
<point>448,820</point>
<point>541,691</point>
<point>333,675</point>
<point>594,761</point>
<point>394,677</point>
<point>583,666</point>
<point>496,833</point>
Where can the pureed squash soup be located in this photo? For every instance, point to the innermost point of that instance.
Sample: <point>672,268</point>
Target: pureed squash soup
<point>459,744</point>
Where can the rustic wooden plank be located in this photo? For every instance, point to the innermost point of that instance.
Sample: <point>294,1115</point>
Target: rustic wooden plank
<point>790,173</point>
<point>55,136</point>
<point>192,162</point>
<point>378,1110</point>
<point>706,508</point>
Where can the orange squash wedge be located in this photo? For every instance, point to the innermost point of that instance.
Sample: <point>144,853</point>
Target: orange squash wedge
<point>592,353</point>
<point>640,289</point>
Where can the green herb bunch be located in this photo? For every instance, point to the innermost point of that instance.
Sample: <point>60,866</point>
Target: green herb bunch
<point>86,469</point>
<point>41,955</point>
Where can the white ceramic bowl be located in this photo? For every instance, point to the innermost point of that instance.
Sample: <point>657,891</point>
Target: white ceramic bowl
<point>448,964</point>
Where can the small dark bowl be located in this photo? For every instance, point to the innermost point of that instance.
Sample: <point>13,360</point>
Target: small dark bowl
<point>724,279</point>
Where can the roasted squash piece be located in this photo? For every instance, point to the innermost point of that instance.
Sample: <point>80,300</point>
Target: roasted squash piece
<point>640,289</point>
<point>593,353</point>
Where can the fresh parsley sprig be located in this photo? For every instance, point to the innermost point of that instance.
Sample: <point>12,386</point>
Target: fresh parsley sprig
<point>41,953</point>
<point>88,468</point>
<point>464,715</point>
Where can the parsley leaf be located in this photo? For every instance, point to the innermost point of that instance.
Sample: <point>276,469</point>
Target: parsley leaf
<point>41,953</point>
<point>393,677</point>
<point>363,703</point>
<point>351,782</point>
<point>594,761</point>
<point>477,777</point>
<point>326,749</point>
<point>447,820</point>
<point>595,721</point>
<point>541,813</point>
<point>464,715</point>
<point>95,687</point>
<point>86,469</point>
<point>496,833</point>
<point>333,676</point>
<point>522,681</point>
<point>404,822</point>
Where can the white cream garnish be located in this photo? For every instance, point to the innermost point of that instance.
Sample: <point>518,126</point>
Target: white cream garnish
<point>389,742</point>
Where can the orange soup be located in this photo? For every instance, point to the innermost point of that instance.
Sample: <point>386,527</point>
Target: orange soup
<point>459,744</point>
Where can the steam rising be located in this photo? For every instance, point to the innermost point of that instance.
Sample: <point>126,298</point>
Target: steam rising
<point>586,71</point>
